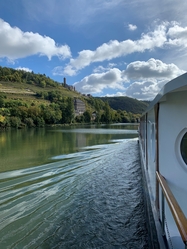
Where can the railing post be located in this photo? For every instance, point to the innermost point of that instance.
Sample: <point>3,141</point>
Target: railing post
<point>163,215</point>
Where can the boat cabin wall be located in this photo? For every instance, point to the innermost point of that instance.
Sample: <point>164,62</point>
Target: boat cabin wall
<point>172,127</point>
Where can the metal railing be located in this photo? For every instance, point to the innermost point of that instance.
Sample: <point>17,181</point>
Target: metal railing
<point>178,215</point>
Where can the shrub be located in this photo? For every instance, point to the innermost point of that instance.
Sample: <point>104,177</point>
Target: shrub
<point>15,122</point>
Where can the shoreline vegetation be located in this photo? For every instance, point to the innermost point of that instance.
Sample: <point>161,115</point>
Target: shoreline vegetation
<point>34,100</point>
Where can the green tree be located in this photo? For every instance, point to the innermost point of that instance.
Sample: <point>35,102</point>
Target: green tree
<point>29,122</point>
<point>15,122</point>
<point>34,112</point>
<point>43,83</point>
<point>51,116</point>
<point>107,113</point>
<point>2,102</point>
<point>87,116</point>
<point>79,119</point>
<point>40,122</point>
<point>98,117</point>
<point>69,111</point>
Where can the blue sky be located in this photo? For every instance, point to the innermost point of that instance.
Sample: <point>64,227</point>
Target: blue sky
<point>102,47</point>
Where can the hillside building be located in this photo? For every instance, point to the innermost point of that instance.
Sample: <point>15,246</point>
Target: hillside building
<point>79,106</point>
<point>71,88</point>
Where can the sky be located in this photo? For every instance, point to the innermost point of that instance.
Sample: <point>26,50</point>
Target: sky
<point>102,47</point>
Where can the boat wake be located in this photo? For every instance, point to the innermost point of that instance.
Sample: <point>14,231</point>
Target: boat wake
<point>88,199</point>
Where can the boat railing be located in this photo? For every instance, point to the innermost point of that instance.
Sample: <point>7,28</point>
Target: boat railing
<point>178,215</point>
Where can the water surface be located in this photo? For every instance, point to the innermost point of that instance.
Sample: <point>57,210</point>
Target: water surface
<point>33,147</point>
<point>71,188</point>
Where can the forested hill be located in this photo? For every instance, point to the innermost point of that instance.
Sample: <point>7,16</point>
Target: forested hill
<point>28,83</point>
<point>126,104</point>
<point>34,100</point>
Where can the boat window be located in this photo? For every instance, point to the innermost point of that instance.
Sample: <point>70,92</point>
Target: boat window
<point>183,147</point>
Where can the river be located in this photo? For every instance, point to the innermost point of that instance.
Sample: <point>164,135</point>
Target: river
<point>71,187</point>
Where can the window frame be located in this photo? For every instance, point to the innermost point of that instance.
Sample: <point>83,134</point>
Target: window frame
<point>178,148</point>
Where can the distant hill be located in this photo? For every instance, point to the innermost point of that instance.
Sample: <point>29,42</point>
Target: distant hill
<point>18,84</point>
<point>126,104</point>
<point>34,100</point>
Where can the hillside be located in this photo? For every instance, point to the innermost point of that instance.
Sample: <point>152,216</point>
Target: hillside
<point>126,104</point>
<point>34,100</point>
<point>31,87</point>
<point>27,85</point>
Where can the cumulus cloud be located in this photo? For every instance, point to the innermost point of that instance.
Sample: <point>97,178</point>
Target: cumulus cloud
<point>146,89</point>
<point>114,49</point>
<point>149,76</point>
<point>152,69</point>
<point>141,79</point>
<point>132,27</point>
<point>177,35</point>
<point>18,44</point>
<point>26,69</point>
<point>165,35</point>
<point>95,83</point>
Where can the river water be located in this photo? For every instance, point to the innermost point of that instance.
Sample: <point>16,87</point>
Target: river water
<point>72,187</point>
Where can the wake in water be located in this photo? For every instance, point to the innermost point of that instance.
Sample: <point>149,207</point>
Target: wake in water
<point>89,199</point>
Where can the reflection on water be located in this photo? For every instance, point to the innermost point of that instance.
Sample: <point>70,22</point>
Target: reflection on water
<point>90,198</point>
<point>27,148</point>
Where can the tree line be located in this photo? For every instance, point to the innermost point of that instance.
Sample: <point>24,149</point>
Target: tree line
<point>126,103</point>
<point>19,113</point>
<point>13,75</point>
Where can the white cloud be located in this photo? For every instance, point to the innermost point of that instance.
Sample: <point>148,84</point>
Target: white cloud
<point>26,69</point>
<point>146,89</point>
<point>132,27</point>
<point>101,69</point>
<point>111,65</point>
<point>18,44</point>
<point>143,79</point>
<point>118,94</point>
<point>152,69</point>
<point>114,49</point>
<point>58,71</point>
<point>69,71</point>
<point>165,35</point>
<point>151,76</point>
<point>95,83</point>
<point>177,35</point>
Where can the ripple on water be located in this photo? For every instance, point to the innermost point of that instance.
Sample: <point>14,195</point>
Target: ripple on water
<point>92,199</point>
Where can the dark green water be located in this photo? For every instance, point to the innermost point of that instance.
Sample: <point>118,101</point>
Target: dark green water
<point>26,148</point>
<point>73,187</point>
